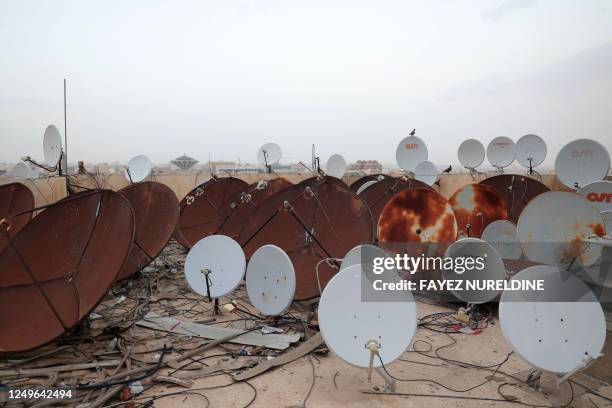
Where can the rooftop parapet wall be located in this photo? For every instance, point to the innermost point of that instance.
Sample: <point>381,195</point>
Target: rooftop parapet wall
<point>49,190</point>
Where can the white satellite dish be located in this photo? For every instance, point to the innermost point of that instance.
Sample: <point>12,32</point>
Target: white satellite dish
<point>349,325</point>
<point>270,280</point>
<point>365,185</point>
<point>219,257</point>
<point>22,170</point>
<point>607,219</point>
<point>362,254</point>
<point>471,154</point>
<point>410,152</point>
<point>599,193</point>
<point>52,145</point>
<point>581,162</point>
<point>557,329</point>
<point>139,168</point>
<point>500,152</point>
<point>530,151</point>
<point>493,269</point>
<point>336,166</point>
<point>426,172</point>
<point>553,227</point>
<point>502,234</point>
<point>269,154</point>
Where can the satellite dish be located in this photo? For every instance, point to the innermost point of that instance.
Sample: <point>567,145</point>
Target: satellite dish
<point>607,219</point>
<point>493,269</point>
<point>410,152</point>
<point>348,324</point>
<point>219,257</point>
<point>471,153</point>
<point>156,212</point>
<point>336,166</point>
<point>139,168</point>
<point>22,170</point>
<point>476,206</point>
<point>581,162</point>
<point>270,280</point>
<point>530,151</point>
<point>269,154</point>
<point>365,185</point>
<point>52,145</point>
<point>362,254</point>
<point>203,209</point>
<point>500,152</point>
<point>550,329</point>
<point>599,193</point>
<point>553,227</point>
<point>417,215</point>
<point>503,236</point>
<point>426,172</point>
<point>52,284</point>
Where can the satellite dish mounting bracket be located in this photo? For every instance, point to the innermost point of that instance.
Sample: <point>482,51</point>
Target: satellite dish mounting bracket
<point>216,309</point>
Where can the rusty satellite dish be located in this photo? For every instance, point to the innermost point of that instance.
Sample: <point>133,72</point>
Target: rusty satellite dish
<point>60,265</point>
<point>516,190</point>
<point>310,223</point>
<point>476,206</point>
<point>378,195</point>
<point>240,207</point>
<point>554,226</point>
<point>201,211</point>
<point>417,215</point>
<point>15,198</point>
<point>156,212</point>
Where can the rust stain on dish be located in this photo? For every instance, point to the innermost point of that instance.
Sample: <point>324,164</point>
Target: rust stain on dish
<point>156,211</point>
<point>201,210</point>
<point>417,215</point>
<point>378,195</point>
<point>60,265</point>
<point>476,206</point>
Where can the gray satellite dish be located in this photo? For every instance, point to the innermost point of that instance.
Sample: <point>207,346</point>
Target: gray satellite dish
<point>139,168</point>
<point>365,185</point>
<point>500,152</point>
<point>269,154</point>
<point>426,172</point>
<point>559,329</point>
<point>502,234</point>
<point>530,151</point>
<point>52,145</point>
<point>493,269</point>
<point>410,152</point>
<point>221,259</point>
<point>336,166</point>
<point>581,162</point>
<point>349,325</point>
<point>553,227</point>
<point>22,170</point>
<point>599,193</point>
<point>471,154</point>
<point>270,280</point>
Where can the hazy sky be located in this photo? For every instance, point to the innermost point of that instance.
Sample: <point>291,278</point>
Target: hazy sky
<point>163,78</point>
